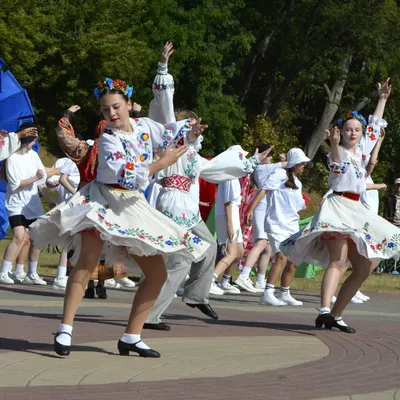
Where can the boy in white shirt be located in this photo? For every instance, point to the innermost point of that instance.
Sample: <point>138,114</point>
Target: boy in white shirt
<point>25,174</point>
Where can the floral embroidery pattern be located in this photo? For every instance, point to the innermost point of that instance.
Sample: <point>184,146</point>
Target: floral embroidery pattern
<point>381,247</point>
<point>187,240</point>
<point>357,169</point>
<point>117,155</point>
<point>3,135</point>
<point>190,171</point>
<point>187,221</point>
<point>249,164</point>
<point>338,169</point>
<point>164,86</point>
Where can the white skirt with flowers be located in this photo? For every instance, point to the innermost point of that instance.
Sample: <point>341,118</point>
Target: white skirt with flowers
<point>123,218</point>
<point>342,218</point>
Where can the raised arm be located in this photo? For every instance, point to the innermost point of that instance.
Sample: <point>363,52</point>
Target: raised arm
<point>375,152</point>
<point>77,150</point>
<point>384,93</point>
<point>10,141</point>
<point>334,139</point>
<point>162,106</point>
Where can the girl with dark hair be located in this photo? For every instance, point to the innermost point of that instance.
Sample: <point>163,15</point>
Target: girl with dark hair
<point>112,208</point>
<point>285,200</point>
<point>255,216</point>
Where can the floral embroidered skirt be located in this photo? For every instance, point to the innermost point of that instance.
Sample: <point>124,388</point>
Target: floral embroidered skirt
<point>123,218</point>
<point>339,217</point>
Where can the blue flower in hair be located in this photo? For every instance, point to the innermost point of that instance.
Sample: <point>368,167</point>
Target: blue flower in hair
<point>109,82</point>
<point>97,93</point>
<point>129,91</point>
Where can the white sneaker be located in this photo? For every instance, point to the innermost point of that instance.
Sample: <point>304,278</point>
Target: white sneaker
<point>260,287</point>
<point>245,284</point>
<point>17,278</point>
<point>289,300</point>
<point>60,283</point>
<point>214,289</point>
<point>126,283</point>
<point>334,298</point>
<point>356,300</point>
<point>179,292</point>
<point>34,279</point>
<point>111,284</point>
<point>228,288</point>
<point>5,279</point>
<point>268,299</point>
<point>362,296</point>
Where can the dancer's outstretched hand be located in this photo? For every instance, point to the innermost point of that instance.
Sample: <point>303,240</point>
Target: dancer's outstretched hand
<point>264,155</point>
<point>172,154</point>
<point>168,49</point>
<point>334,136</point>
<point>33,131</point>
<point>74,108</point>
<point>385,89</point>
<point>196,131</point>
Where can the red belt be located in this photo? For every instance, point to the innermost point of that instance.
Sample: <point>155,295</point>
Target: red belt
<point>348,195</point>
<point>178,182</point>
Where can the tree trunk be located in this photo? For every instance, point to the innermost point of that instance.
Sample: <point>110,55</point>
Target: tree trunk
<point>331,107</point>
<point>256,62</point>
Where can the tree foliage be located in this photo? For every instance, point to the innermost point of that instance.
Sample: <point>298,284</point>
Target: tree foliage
<point>254,71</point>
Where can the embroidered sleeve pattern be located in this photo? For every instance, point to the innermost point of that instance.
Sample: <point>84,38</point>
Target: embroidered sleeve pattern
<point>9,144</point>
<point>134,175</point>
<point>338,168</point>
<point>77,150</point>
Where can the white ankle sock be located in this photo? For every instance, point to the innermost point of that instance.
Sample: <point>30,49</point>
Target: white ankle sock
<point>6,267</point>
<point>131,339</point>
<point>19,268</point>
<point>225,279</point>
<point>285,290</point>
<point>269,286</point>
<point>260,278</point>
<point>32,267</point>
<point>324,310</point>
<point>61,272</point>
<point>245,272</point>
<point>340,321</point>
<point>64,339</point>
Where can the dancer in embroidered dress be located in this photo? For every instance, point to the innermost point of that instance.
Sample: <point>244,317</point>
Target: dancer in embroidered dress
<point>179,200</point>
<point>285,200</point>
<point>25,175</point>
<point>343,228</point>
<point>256,215</point>
<point>113,208</point>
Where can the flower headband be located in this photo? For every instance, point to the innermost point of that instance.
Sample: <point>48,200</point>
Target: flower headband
<point>351,115</point>
<point>113,84</point>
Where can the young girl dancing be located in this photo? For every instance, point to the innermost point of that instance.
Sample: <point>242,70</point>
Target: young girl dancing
<point>113,208</point>
<point>343,228</point>
<point>284,198</point>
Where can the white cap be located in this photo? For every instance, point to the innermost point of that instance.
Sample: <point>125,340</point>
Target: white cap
<point>238,148</point>
<point>295,156</point>
<point>397,181</point>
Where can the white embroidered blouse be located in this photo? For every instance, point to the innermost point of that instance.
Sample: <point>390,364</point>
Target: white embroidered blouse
<point>178,204</point>
<point>350,174</point>
<point>124,156</point>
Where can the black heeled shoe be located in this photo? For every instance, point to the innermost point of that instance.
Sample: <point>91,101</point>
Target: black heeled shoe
<point>89,293</point>
<point>326,319</point>
<point>101,292</point>
<point>125,348</point>
<point>205,309</point>
<point>59,348</point>
<point>157,327</point>
<point>343,328</point>
<point>329,321</point>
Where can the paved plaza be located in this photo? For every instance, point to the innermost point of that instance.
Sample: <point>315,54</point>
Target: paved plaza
<point>252,351</point>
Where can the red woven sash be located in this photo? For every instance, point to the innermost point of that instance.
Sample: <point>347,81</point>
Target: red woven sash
<point>178,182</point>
<point>348,195</point>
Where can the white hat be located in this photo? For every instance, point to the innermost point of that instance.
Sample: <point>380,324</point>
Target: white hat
<point>239,149</point>
<point>397,181</point>
<point>295,156</point>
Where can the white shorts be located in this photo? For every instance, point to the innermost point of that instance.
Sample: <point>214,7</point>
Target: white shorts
<point>222,228</point>
<point>258,225</point>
